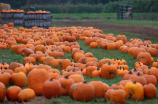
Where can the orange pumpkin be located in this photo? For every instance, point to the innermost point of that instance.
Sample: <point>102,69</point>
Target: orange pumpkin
<point>36,78</point>
<point>52,88</point>
<point>12,93</point>
<point>26,95</point>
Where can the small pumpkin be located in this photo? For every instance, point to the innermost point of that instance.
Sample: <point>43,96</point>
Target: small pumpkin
<point>3,91</point>
<point>26,95</point>
<point>150,91</point>
<point>12,93</point>
<point>65,84</point>
<point>19,79</point>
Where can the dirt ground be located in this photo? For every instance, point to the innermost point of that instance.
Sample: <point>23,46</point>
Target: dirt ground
<point>147,32</point>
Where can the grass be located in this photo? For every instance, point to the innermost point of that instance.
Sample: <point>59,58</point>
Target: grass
<point>133,22</point>
<point>136,16</point>
<point>84,16</point>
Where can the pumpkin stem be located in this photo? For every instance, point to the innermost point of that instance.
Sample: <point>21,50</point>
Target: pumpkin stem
<point>135,69</point>
<point>5,68</point>
<point>74,70</point>
<point>66,77</point>
<point>51,79</point>
<point>138,74</point>
<point>149,73</point>
<point>81,69</point>
<point>84,81</point>
<point>149,67</point>
<point>134,82</point>
<point>130,72</point>
<point>98,68</point>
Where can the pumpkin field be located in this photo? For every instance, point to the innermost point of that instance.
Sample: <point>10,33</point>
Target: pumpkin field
<point>76,62</point>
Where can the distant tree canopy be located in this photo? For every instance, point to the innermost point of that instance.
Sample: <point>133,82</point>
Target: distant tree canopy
<point>83,6</point>
<point>19,3</point>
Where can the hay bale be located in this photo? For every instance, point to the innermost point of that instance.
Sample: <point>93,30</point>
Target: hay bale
<point>7,6</point>
<point>1,6</point>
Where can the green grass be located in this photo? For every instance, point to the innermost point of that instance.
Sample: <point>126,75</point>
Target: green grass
<point>136,16</point>
<point>8,56</point>
<point>133,22</point>
<point>84,16</point>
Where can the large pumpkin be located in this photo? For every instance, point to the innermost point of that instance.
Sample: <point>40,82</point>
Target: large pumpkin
<point>36,79</point>
<point>134,91</point>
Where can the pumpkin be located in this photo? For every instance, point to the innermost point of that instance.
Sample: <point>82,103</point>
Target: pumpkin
<point>144,57</point>
<point>117,86</point>
<point>65,63</point>
<point>118,96</point>
<point>52,88</point>
<point>77,78</point>
<point>93,45</point>
<point>53,75</point>
<point>84,92</point>
<point>107,94</point>
<point>108,71</point>
<point>138,78</point>
<point>96,73</point>
<point>65,84</point>
<point>13,65</point>
<point>29,59</point>
<point>134,91</point>
<point>26,95</point>
<point>124,82</point>
<point>19,79</point>
<point>20,69</point>
<point>72,88</point>
<point>136,51</point>
<point>36,79</point>
<point>12,93</point>
<point>150,78</point>
<point>3,91</point>
<point>90,69</point>
<point>99,88</point>
<point>122,37</point>
<point>150,91</point>
<point>153,51</point>
<point>153,71</point>
<point>5,78</point>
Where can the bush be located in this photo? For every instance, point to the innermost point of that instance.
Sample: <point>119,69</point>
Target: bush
<point>70,8</point>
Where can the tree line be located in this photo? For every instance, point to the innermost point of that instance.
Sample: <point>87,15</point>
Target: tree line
<point>84,6</point>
